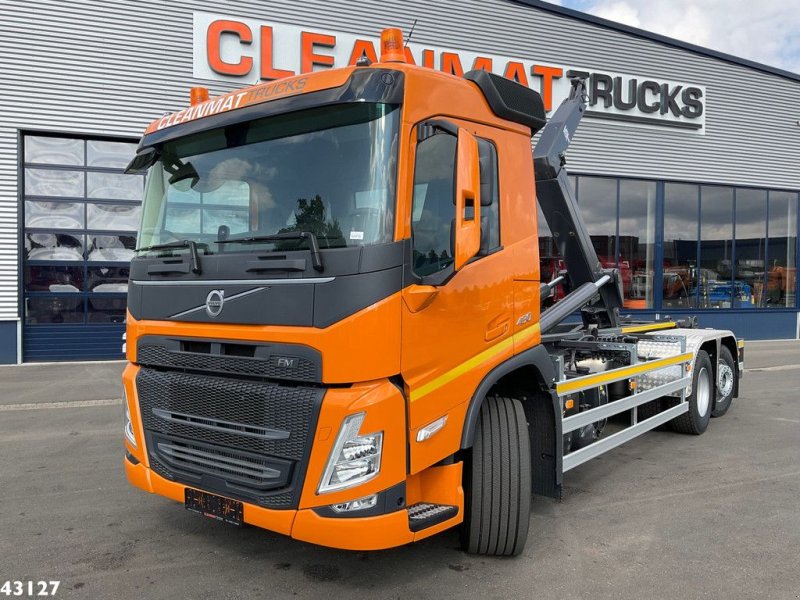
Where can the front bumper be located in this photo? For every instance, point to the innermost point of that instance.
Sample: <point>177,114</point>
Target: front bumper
<point>308,518</point>
<point>349,533</point>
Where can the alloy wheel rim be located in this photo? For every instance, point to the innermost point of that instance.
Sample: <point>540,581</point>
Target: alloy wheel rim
<point>703,392</point>
<point>725,384</point>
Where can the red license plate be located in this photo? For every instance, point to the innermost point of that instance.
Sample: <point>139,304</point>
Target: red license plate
<point>213,506</point>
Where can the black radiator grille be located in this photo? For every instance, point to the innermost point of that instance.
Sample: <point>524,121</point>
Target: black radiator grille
<point>161,356</point>
<point>234,467</point>
<point>203,430</point>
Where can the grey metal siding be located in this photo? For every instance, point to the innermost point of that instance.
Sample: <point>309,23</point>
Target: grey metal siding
<point>110,66</point>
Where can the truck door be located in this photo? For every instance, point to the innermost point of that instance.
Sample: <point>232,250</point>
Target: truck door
<point>466,320</point>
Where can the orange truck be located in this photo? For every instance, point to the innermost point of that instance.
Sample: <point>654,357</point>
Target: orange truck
<point>335,322</point>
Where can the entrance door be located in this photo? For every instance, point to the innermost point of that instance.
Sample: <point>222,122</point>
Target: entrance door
<point>81,214</point>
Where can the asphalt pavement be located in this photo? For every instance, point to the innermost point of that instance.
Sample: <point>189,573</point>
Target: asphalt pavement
<point>664,516</point>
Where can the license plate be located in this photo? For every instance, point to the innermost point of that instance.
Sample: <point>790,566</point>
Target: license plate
<point>214,507</point>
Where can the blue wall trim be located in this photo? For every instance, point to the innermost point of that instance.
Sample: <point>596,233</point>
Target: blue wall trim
<point>8,342</point>
<point>72,342</point>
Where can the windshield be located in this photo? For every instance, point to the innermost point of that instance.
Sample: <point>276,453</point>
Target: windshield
<point>328,171</point>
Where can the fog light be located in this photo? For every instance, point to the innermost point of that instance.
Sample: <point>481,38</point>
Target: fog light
<point>354,458</point>
<point>360,504</point>
<point>128,422</point>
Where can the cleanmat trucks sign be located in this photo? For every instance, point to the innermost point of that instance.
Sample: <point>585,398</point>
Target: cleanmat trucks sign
<point>249,51</point>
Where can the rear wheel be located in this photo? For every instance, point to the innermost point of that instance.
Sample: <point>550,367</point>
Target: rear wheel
<point>695,420</point>
<point>498,481</point>
<point>726,375</point>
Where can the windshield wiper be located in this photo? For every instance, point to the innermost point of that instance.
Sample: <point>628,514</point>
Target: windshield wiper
<point>190,244</point>
<point>316,257</point>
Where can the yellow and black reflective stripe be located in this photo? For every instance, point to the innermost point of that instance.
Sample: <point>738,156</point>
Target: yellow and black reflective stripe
<point>590,381</point>
<point>473,362</point>
<point>649,327</point>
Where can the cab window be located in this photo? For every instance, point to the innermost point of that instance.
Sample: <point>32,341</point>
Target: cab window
<point>433,206</point>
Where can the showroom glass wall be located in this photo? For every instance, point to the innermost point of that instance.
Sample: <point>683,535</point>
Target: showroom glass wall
<point>80,214</point>
<point>689,246</point>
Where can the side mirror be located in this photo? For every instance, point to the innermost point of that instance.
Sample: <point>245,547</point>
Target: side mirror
<point>467,235</point>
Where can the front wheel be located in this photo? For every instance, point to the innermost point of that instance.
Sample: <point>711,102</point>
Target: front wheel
<point>498,481</point>
<point>695,420</point>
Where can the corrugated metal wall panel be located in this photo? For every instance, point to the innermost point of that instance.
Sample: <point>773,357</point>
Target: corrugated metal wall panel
<point>74,342</point>
<point>110,67</point>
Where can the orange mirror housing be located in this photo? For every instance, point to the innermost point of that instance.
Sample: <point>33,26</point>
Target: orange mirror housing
<point>468,202</point>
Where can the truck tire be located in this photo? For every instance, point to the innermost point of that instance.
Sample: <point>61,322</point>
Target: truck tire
<point>695,420</point>
<point>498,481</point>
<point>726,382</point>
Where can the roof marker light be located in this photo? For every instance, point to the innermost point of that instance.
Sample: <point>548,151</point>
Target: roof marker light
<point>392,46</point>
<point>198,95</point>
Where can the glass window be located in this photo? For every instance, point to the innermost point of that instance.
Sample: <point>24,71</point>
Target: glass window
<point>53,150</point>
<point>180,220</point>
<point>53,246</point>
<point>121,217</point>
<point>52,309</point>
<point>107,278</point>
<point>237,193</point>
<point>781,250</point>
<point>433,207</point>
<point>302,171</point>
<point>53,182</point>
<point>105,309</point>
<point>597,197</point>
<point>637,241</point>
<point>115,186</point>
<point>750,251</point>
<point>716,247</point>
<point>681,226</point>
<point>101,153</point>
<point>61,262</point>
<point>54,215</point>
<point>237,221</point>
<point>53,278</point>
<point>111,248</point>
<point>490,200</point>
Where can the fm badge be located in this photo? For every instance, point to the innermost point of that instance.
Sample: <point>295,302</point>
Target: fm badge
<point>214,302</point>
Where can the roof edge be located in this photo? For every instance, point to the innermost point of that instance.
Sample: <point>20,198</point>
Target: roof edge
<point>655,37</point>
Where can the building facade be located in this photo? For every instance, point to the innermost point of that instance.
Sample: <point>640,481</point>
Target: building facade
<point>687,167</point>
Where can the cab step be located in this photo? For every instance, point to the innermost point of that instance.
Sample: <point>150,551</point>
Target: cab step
<point>424,515</point>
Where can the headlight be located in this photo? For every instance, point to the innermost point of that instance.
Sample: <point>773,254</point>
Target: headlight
<point>354,458</point>
<point>128,423</point>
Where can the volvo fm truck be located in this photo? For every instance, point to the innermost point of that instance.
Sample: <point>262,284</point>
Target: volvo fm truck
<point>336,327</point>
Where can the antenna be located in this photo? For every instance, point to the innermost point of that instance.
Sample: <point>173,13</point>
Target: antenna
<point>410,33</point>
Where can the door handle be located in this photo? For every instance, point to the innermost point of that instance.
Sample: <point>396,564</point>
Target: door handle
<point>496,328</point>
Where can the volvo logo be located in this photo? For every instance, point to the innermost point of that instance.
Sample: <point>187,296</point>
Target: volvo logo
<point>214,302</point>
